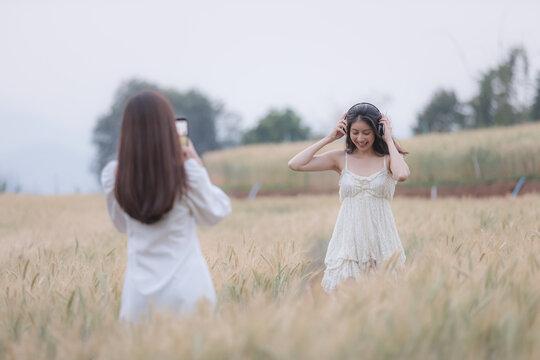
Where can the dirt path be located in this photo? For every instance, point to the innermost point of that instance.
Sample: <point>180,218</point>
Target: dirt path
<point>474,190</point>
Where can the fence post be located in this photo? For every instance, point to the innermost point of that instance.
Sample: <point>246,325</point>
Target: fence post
<point>254,190</point>
<point>518,186</point>
<point>477,171</point>
<point>433,192</point>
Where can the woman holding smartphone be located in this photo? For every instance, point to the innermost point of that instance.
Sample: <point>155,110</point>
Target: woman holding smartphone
<point>365,234</point>
<point>156,192</point>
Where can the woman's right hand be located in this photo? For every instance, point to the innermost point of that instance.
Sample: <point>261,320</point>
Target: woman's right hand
<point>339,130</point>
<point>190,152</point>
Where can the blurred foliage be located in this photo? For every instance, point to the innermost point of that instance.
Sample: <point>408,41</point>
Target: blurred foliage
<point>277,126</point>
<point>7,185</point>
<point>535,110</point>
<point>204,115</point>
<point>496,103</point>
<point>444,113</point>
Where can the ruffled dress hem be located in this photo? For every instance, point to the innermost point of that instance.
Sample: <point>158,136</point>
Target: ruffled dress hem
<point>350,268</point>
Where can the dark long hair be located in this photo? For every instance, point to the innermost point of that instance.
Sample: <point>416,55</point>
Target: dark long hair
<point>150,174</point>
<point>371,115</point>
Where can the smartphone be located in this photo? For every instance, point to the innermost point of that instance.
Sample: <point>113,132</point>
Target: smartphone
<point>182,128</point>
<point>380,129</point>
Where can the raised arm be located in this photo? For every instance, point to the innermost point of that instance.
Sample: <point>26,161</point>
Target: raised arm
<point>398,167</point>
<point>208,203</point>
<point>306,160</point>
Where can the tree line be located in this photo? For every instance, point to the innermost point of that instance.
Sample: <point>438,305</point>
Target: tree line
<point>500,100</point>
<point>211,126</point>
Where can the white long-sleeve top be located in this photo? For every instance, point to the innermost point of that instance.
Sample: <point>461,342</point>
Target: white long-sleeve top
<point>165,266</point>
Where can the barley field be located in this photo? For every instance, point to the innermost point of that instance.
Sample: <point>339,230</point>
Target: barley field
<point>464,157</point>
<point>470,289</point>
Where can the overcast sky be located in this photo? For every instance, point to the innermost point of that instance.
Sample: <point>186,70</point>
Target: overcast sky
<point>62,61</point>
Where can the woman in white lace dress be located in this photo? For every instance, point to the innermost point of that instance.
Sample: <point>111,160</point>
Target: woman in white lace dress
<point>365,233</point>
<point>156,192</point>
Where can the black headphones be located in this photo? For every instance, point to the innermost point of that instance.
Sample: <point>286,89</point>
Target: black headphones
<point>380,127</point>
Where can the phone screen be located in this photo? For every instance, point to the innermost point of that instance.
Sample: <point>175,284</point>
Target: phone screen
<point>182,129</point>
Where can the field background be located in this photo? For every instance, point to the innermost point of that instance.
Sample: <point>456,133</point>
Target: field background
<point>470,290</point>
<point>501,154</point>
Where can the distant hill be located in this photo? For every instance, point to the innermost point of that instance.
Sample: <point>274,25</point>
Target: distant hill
<point>464,157</point>
<point>48,168</point>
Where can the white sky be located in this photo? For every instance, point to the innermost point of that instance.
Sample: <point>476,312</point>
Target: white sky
<point>61,62</point>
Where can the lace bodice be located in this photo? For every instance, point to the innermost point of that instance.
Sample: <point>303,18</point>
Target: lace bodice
<point>378,185</point>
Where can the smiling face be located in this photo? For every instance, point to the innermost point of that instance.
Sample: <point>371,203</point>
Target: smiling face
<point>362,135</point>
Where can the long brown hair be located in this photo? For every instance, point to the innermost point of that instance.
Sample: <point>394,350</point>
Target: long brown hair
<point>370,114</point>
<point>150,174</point>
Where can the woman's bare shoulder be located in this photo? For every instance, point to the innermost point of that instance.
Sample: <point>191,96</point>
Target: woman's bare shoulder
<point>338,158</point>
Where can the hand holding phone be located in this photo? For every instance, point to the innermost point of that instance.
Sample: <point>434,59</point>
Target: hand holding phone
<point>190,153</point>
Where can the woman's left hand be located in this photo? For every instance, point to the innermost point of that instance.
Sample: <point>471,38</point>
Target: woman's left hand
<point>387,137</point>
<point>190,152</point>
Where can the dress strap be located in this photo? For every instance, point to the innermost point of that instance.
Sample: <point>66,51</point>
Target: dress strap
<point>346,159</point>
<point>385,161</point>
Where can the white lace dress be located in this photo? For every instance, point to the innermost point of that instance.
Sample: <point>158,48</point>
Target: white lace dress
<point>365,234</point>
